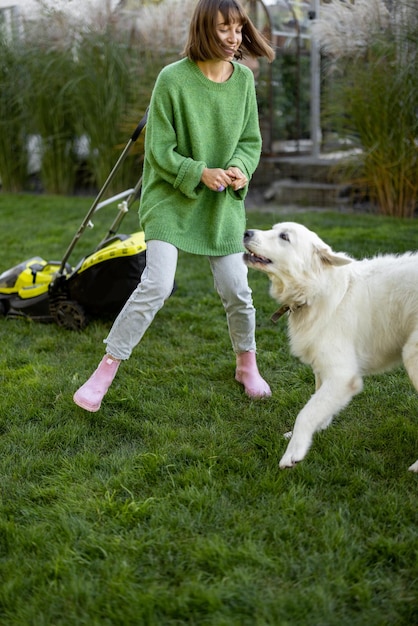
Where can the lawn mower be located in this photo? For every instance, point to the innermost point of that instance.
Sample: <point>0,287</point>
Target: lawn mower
<point>100,283</point>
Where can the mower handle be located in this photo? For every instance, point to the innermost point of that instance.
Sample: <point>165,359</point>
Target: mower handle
<point>85,223</point>
<point>138,129</point>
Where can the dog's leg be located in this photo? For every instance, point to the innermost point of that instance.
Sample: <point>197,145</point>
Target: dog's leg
<point>414,467</point>
<point>410,359</point>
<point>333,395</point>
<point>318,383</point>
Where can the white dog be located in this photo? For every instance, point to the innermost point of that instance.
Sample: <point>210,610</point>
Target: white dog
<point>346,318</point>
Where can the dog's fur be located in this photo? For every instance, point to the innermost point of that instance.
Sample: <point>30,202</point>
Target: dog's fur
<point>346,318</point>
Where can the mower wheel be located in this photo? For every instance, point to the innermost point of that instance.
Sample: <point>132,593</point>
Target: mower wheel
<point>3,309</point>
<point>71,315</point>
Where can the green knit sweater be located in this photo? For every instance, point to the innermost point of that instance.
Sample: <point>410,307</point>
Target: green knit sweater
<point>195,123</point>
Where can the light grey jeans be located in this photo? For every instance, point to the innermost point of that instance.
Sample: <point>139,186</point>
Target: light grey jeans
<point>230,278</point>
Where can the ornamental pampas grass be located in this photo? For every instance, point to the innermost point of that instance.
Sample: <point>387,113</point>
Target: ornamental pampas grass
<point>163,26</point>
<point>344,29</point>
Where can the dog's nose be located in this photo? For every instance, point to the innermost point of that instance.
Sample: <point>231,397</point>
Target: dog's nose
<point>248,235</point>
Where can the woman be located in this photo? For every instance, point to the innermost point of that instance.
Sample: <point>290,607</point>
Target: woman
<point>202,146</point>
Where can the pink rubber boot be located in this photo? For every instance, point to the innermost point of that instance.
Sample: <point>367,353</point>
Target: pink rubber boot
<point>248,375</point>
<point>91,394</point>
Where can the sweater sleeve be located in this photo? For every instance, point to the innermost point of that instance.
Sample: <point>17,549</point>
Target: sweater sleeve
<point>248,150</point>
<point>181,172</point>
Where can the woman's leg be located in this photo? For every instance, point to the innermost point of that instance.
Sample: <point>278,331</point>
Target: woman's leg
<point>148,298</point>
<point>134,319</point>
<point>230,276</point>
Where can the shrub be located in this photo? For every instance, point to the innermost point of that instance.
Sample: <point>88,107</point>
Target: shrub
<point>372,96</point>
<point>63,81</point>
<point>13,154</point>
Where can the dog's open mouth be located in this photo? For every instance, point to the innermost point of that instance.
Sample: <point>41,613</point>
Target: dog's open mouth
<point>251,257</point>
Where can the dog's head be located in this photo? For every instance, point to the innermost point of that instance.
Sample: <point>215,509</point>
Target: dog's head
<point>293,257</point>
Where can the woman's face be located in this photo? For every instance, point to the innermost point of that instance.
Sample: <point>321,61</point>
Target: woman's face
<point>230,36</point>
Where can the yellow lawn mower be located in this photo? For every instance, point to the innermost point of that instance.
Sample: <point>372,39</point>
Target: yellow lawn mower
<point>98,286</point>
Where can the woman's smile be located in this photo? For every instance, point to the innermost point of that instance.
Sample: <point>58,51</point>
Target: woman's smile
<point>230,35</point>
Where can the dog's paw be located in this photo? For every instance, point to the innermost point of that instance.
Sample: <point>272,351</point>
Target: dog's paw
<point>414,467</point>
<point>285,464</point>
<point>295,452</point>
<point>288,460</point>
<point>288,435</point>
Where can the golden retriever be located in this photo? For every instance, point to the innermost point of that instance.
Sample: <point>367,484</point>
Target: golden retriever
<point>347,318</point>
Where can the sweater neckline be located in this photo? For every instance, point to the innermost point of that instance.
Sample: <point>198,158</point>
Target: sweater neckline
<point>207,81</point>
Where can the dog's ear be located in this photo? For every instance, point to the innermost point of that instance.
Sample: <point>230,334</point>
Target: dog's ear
<point>329,257</point>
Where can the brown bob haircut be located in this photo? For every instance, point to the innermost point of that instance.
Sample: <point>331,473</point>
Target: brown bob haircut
<point>203,43</point>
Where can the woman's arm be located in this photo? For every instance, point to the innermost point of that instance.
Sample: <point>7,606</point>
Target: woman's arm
<point>161,143</point>
<point>246,156</point>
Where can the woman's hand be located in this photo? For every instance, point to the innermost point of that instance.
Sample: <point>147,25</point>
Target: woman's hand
<point>216,178</point>
<point>239,180</point>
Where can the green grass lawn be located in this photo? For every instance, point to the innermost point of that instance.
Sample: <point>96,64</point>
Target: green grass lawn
<point>167,507</point>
